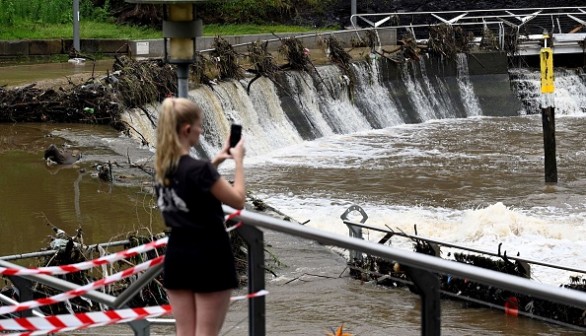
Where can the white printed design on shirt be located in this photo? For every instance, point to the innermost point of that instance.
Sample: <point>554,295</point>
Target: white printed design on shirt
<point>169,201</point>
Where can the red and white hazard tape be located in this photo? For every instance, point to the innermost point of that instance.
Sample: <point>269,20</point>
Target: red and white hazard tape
<point>107,259</point>
<point>262,292</point>
<point>229,217</point>
<point>81,290</point>
<point>82,320</point>
<point>62,323</point>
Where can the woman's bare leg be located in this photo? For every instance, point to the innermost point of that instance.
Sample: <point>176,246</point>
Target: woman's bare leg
<point>183,304</point>
<point>211,312</point>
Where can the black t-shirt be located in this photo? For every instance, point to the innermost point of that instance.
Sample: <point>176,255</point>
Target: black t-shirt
<point>188,203</point>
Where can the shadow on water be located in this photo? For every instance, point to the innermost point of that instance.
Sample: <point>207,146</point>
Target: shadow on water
<point>69,197</point>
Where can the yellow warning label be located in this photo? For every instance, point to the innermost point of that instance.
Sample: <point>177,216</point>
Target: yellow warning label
<point>546,56</point>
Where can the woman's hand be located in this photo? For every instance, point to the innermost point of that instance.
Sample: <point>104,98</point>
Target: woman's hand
<point>238,151</point>
<point>222,155</point>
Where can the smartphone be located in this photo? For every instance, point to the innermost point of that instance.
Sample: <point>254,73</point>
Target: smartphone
<point>235,134</point>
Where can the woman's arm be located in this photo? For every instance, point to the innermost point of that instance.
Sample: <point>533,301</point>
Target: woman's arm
<point>233,195</point>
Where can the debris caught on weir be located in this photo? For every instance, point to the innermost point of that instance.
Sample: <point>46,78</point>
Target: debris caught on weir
<point>96,101</point>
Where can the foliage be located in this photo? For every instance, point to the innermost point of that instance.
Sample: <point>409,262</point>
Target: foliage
<point>50,11</point>
<point>31,18</point>
<point>261,11</point>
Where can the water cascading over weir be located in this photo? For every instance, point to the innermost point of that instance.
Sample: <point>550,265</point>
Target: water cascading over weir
<point>300,106</point>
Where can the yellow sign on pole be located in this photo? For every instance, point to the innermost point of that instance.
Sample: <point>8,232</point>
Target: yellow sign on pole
<point>546,56</point>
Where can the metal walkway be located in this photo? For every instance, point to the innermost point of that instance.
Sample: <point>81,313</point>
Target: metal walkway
<point>525,27</point>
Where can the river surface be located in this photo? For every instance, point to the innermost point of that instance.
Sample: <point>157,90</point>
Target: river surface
<point>476,181</point>
<point>15,75</point>
<point>35,196</point>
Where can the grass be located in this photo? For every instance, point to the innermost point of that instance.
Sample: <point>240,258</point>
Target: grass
<point>32,30</point>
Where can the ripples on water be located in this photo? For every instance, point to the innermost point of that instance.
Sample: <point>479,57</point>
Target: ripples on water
<point>477,182</point>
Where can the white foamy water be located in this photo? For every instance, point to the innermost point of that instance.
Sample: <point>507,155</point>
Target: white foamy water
<point>463,191</point>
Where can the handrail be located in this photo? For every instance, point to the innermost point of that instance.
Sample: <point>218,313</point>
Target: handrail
<point>417,260</point>
<point>439,242</point>
<point>482,19</point>
<point>419,266</point>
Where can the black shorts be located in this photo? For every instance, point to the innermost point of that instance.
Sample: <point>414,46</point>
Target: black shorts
<point>199,261</point>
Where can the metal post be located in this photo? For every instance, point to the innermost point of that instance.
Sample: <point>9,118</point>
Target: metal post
<point>353,12</point>
<point>136,286</point>
<point>61,284</point>
<point>183,80</point>
<point>355,231</point>
<point>256,279</point>
<point>76,43</point>
<point>25,291</point>
<point>548,111</point>
<point>428,288</point>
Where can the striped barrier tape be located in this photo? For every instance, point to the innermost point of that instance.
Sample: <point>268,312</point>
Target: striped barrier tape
<point>262,292</point>
<point>69,322</point>
<point>107,259</point>
<point>82,320</point>
<point>229,217</point>
<point>83,289</point>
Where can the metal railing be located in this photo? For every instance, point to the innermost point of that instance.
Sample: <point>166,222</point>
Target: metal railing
<point>525,25</point>
<point>422,269</point>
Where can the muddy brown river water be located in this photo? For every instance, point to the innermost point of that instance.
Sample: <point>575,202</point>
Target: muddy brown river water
<point>23,74</point>
<point>309,295</point>
<point>34,195</point>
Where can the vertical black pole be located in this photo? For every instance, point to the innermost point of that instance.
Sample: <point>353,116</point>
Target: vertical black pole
<point>183,80</point>
<point>254,238</point>
<point>548,110</point>
<point>428,288</point>
<point>547,117</point>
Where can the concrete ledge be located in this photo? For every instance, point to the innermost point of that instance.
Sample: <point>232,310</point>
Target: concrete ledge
<point>101,46</point>
<point>45,47</point>
<point>14,48</point>
<point>21,48</point>
<point>155,48</point>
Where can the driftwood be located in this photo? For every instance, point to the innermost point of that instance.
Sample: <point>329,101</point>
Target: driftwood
<point>96,101</point>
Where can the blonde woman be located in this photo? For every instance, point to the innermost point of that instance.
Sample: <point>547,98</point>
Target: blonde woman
<point>199,271</point>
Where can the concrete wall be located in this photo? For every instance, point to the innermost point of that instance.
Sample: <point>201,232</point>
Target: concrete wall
<point>24,48</point>
<point>154,48</point>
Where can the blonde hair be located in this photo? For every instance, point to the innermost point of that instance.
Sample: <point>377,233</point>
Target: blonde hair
<point>175,112</point>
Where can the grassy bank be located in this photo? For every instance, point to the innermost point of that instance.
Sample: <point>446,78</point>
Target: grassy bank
<point>88,29</point>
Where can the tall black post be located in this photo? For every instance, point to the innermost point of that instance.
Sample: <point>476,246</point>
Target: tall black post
<point>547,117</point>
<point>548,111</point>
